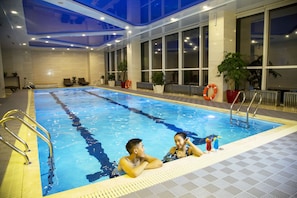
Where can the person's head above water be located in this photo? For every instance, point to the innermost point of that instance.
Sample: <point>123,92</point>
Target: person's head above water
<point>131,144</point>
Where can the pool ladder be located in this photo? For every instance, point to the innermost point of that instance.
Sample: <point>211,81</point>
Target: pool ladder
<point>246,121</point>
<point>11,115</point>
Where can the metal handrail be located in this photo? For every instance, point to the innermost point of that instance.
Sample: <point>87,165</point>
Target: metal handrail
<point>248,108</point>
<point>238,109</point>
<point>16,149</point>
<point>14,111</point>
<point>49,143</point>
<point>3,123</point>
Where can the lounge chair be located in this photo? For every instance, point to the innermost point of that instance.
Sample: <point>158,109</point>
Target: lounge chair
<point>67,82</point>
<point>82,81</point>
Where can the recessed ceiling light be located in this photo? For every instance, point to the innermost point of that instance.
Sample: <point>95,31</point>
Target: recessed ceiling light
<point>13,12</point>
<point>18,26</point>
<point>108,44</point>
<point>129,31</point>
<point>83,34</point>
<point>24,44</point>
<point>117,41</point>
<point>46,41</point>
<point>127,27</point>
<point>53,48</point>
<point>48,36</point>
<point>33,39</point>
<point>114,33</point>
<point>102,18</point>
<point>68,49</point>
<point>71,45</point>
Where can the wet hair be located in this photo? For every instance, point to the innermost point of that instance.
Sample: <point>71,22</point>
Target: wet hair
<point>182,134</point>
<point>132,143</point>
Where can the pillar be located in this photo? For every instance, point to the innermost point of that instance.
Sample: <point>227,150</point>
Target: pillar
<point>134,61</point>
<point>222,38</point>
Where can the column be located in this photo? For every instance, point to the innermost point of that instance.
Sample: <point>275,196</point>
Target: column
<point>134,61</point>
<point>2,85</point>
<point>222,38</point>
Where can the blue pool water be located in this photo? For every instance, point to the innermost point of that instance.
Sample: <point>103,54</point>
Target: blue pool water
<point>90,127</point>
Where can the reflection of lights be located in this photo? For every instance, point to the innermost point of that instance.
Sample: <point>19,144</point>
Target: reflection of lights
<point>48,36</point>
<point>24,44</point>
<point>159,49</point>
<point>287,36</point>
<point>83,34</point>
<point>114,33</point>
<point>49,73</point>
<point>127,27</point>
<point>46,41</point>
<point>129,31</point>
<point>68,49</point>
<point>18,26</point>
<point>206,8</point>
<point>13,12</point>
<point>117,41</point>
<point>156,43</point>
<point>186,40</point>
<point>156,52</point>
<point>254,41</point>
<point>33,39</point>
<point>108,44</point>
<point>210,116</point>
<point>71,45</point>
<point>173,19</point>
<point>53,48</point>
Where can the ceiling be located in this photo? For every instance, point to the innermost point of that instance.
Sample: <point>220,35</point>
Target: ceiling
<point>97,24</point>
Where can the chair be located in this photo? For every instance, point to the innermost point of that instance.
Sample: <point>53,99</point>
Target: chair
<point>67,82</point>
<point>82,81</point>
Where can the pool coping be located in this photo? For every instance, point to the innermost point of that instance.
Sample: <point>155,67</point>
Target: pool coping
<point>28,176</point>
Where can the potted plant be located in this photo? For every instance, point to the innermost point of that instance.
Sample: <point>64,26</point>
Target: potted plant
<point>102,80</point>
<point>234,71</point>
<point>111,80</point>
<point>122,67</point>
<point>158,82</point>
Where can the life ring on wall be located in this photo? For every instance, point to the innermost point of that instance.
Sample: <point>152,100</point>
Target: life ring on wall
<point>128,84</point>
<point>205,91</point>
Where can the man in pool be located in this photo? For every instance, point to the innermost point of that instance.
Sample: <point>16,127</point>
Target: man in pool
<point>134,164</point>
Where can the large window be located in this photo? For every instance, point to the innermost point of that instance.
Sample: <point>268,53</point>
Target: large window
<point>250,32</point>
<point>157,53</point>
<point>145,55</point>
<point>281,59</point>
<point>171,51</point>
<point>191,48</point>
<point>283,36</point>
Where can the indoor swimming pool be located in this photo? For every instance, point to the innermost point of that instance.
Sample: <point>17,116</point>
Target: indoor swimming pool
<point>90,126</point>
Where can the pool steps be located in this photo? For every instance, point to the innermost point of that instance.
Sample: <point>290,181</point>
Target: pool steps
<point>246,122</point>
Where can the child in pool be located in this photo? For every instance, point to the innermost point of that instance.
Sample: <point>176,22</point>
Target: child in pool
<point>184,147</point>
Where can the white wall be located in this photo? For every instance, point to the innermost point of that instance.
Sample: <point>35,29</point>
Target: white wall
<point>51,67</point>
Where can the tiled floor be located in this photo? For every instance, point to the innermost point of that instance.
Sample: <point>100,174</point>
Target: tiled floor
<point>269,170</point>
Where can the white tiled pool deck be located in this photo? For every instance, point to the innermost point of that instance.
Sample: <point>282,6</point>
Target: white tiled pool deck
<point>264,165</point>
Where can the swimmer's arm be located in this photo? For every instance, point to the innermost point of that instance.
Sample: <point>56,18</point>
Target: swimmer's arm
<point>130,170</point>
<point>152,162</point>
<point>193,149</point>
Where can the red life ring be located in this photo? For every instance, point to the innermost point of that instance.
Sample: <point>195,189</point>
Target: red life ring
<point>128,84</point>
<point>215,90</point>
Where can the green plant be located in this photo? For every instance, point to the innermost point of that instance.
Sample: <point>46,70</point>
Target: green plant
<point>158,78</point>
<point>122,67</point>
<point>111,77</point>
<point>233,68</point>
